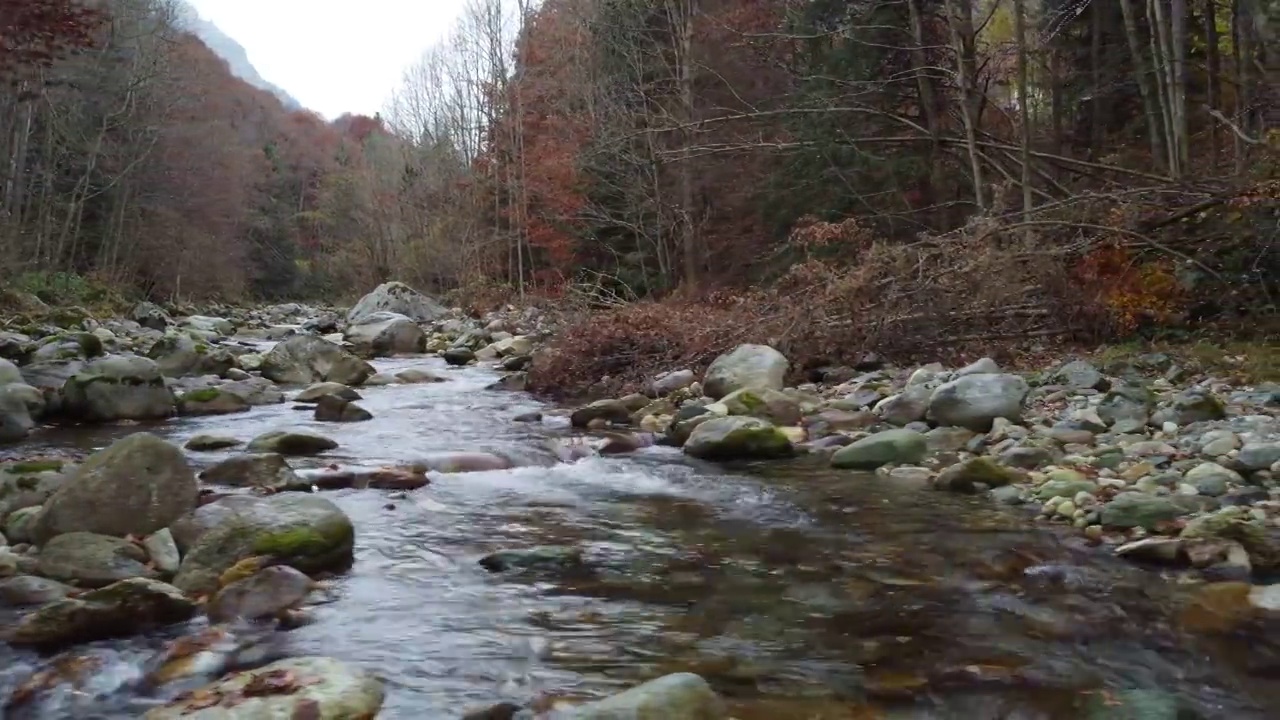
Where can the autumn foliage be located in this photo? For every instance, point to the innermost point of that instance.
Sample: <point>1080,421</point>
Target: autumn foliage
<point>34,33</point>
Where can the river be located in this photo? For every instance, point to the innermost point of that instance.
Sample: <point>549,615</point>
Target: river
<point>802,594</point>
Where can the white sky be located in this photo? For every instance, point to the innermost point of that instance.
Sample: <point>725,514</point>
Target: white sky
<point>334,57</point>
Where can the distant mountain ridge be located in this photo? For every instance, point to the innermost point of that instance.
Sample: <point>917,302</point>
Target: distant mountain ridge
<point>231,51</point>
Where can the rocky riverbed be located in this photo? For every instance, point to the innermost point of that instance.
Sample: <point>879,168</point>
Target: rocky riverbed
<point>292,512</point>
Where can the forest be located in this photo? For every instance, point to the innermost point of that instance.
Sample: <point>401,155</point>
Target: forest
<point>831,176</point>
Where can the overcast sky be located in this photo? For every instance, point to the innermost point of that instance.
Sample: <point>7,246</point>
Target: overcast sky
<point>334,57</point>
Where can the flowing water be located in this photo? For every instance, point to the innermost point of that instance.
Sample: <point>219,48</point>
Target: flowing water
<point>799,592</point>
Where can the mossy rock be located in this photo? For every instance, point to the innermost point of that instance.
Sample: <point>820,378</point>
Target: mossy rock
<point>202,395</point>
<point>737,438</point>
<point>306,532</point>
<point>291,443</point>
<point>968,475</point>
<point>23,467</point>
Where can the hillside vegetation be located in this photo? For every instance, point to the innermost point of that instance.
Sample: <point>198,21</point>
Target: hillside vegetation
<point>909,177</point>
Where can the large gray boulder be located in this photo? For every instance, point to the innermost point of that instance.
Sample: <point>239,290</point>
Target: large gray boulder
<point>396,297</point>
<point>306,359</point>
<point>136,486</point>
<point>975,401</point>
<point>387,333</point>
<point>758,367</point>
<point>118,387</point>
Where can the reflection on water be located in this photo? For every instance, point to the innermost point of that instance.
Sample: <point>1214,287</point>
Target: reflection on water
<point>800,593</point>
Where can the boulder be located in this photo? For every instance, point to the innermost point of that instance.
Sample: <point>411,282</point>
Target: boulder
<point>9,373</point>
<point>386,333</point>
<point>891,447</point>
<point>178,355</point>
<point>396,297</point>
<point>15,415</point>
<point>737,438</point>
<point>206,442</point>
<point>313,393</point>
<point>975,401</point>
<point>266,594</point>
<point>332,408</point>
<point>211,401</point>
<point>136,486</point>
<point>746,366</point>
<point>298,688</point>
<point>90,560</point>
<point>303,531</point>
<point>117,610</point>
<point>149,315</point>
<point>256,470</point>
<point>24,590</point>
<point>117,387</point>
<point>306,359</point>
<point>290,443</point>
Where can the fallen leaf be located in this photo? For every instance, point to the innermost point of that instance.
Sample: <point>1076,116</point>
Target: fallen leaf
<point>273,682</point>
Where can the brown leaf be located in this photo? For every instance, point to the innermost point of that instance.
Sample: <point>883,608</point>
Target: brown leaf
<point>272,682</point>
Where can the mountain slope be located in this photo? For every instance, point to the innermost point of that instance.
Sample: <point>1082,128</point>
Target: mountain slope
<point>231,51</point>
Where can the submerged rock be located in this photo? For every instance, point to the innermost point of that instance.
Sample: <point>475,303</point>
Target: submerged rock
<point>290,443</point>
<point>680,696</point>
<point>891,447</point>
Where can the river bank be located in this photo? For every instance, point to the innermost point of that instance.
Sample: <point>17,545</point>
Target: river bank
<point>896,584</point>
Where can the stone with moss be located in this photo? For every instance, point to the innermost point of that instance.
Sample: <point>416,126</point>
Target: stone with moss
<point>306,532</point>
<point>34,466</point>
<point>979,472</point>
<point>737,438</point>
<point>117,610</point>
<point>1064,482</point>
<point>891,447</point>
<point>211,401</point>
<point>765,403</point>
<point>291,443</point>
<point>118,387</point>
<point>206,442</point>
<point>136,486</point>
